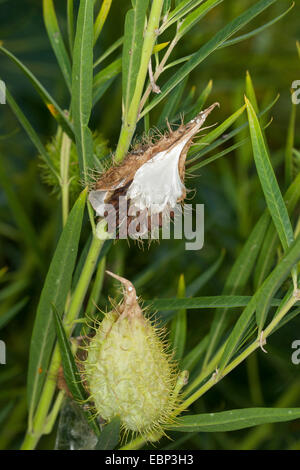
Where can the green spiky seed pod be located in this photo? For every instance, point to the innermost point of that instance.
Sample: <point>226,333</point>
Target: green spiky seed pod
<point>128,371</point>
<point>53,148</point>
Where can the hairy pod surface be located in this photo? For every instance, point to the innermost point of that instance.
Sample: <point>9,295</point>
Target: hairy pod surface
<point>128,371</point>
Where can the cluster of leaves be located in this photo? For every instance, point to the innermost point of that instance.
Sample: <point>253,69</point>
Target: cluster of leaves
<point>258,281</point>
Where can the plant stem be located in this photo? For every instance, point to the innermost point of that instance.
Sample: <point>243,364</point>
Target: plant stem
<point>158,72</point>
<point>40,418</point>
<point>83,283</point>
<point>39,422</point>
<point>130,120</point>
<point>54,412</point>
<point>209,368</point>
<point>96,290</point>
<point>252,347</point>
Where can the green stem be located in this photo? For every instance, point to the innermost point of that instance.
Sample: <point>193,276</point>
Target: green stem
<point>96,289</point>
<point>209,368</point>
<point>41,417</point>
<point>256,344</point>
<point>130,120</point>
<point>39,421</point>
<point>54,413</point>
<point>159,70</point>
<point>83,283</point>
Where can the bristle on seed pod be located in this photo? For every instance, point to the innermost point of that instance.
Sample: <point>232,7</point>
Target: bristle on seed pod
<point>128,371</point>
<point>152,178</point>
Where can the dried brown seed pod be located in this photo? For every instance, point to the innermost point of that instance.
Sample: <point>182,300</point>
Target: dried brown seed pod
<point>151,179</point>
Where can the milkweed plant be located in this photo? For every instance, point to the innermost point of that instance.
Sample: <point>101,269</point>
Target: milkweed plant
<point>112,361</point>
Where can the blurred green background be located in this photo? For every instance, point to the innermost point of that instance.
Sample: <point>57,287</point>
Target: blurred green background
<point>229,189</point>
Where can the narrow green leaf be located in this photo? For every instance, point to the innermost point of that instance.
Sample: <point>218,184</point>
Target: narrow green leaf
<point>171,105</point>
<point>198,57</point>
<point>70,20</point>
<point>268,180</point>
<point>179,325</point>
<point>177,62</point>
<point>51,104</point>
<point>155,267</point>
<point>228,150</point>
<point>30,132</point>
<point>104,79</point>
<point>250,92</point>
<point>5,412</point>
<point>193,357</point>
<point>289,170</point>
<point>273,196</point>
<point>106,76</point>
<point>81,261</point>
<point>204,277</point>
<point>109,51</point>
<point>109,436</point>
<point>12,289</point>
<point>228,301</point>
<point>132,49</point>
<point>55,290</point>
<point>166,7</point>
<point>237,279</point>
<point>287,318</point>
<point>256,31</point>
<point>298,48</point>
<point>82,85</point>
<point>198,106</point>
<point>215,133</point>
<point>101,18</point>
<point>96,289</point>
<point>71,373</point>
<point>229,135</point>
<point>270,245</point>
<point>56,40</point>
<point>181,10</point>
<point>225,421</point>
<point>264,294</point>
<point>193,18</point>
<point>7,316</point>
<point>21,218</point>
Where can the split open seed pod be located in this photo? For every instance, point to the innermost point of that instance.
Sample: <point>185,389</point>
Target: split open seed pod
<point>151,178</point>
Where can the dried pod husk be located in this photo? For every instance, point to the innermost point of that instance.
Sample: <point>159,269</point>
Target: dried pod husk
<point>129,372</point>
<point>151,178</point>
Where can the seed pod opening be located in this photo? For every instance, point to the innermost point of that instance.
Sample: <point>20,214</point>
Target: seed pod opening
<point>128,371</point>
<point>151,178</point>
